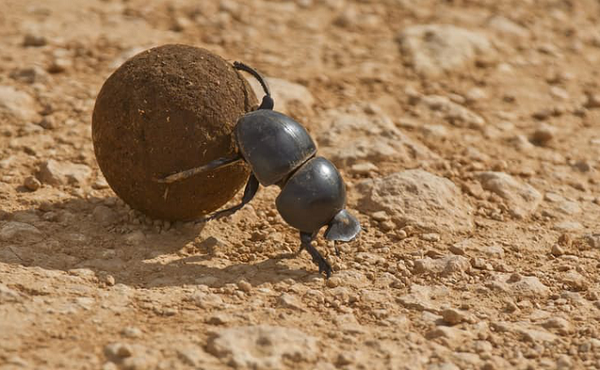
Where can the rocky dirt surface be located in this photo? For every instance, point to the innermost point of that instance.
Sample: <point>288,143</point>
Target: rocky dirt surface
<point>468,133</point>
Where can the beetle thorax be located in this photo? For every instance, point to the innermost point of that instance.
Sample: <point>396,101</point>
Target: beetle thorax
<point>273,144</point>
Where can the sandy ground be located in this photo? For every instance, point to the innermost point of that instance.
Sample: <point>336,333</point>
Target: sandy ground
<point>467,131</point>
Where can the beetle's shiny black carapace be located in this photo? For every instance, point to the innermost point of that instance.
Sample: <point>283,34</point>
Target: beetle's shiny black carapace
<point>280,152</point>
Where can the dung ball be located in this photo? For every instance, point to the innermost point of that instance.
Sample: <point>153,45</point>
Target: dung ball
<point>169,109</point>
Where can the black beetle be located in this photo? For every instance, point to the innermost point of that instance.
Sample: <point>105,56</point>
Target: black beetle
<point>280,152</point>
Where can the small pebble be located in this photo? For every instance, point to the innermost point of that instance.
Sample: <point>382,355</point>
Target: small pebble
<point>131,332</point>
<point>244,286</point>
<point>380,216</point>
<point>593,101</point>
<point>108,280</point>
<point>387,226</point>
<point>60,65</point>
<point>363,168</point>
<point>287,300</point>
<point>32,183</point>
<point>543,134</point>
<point>118,350</point>
<point>48,122</point>
<point>218,319</point>
<point>34,40</point>
<point>557,250</point>
<point>457,249</point>
<point>431,237</point>
<point>453,316</point>
<point>333,282</point>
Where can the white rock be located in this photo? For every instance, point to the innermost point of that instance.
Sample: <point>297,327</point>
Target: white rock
<point>559,324</point>
<point>434,131</point>
<point>206,300</point>
<point>593,240</point>
<point>289,97</point>
<point>451,334</point>
<point>574,280</point>
<point>522,286</point>
<point>567,226</point>
<point>434,49</point>
<point>417,198</point>
<point>425,298</point>
<point>371,297</point>
<point>530,286</point>
<point>562,205</point>
<point>20,231</point>
<point>506,27</point>
<point>453,316</point>
<point>350,135</point>
<point>446,265</point>
<point>455,264</point>
<point>521,199</point>
<point>17,103</point>
<point>287,300</point>
<point>63,173</point>
<point>569,207</point>
<point>536,335</point>
<point>100,183</point>
<point>353,278</point>
<point>453,112</point>
<point>363,168</point>
<point>131,332</point>
<point>494,251</point>
<point>9,295</point>
<point>262,347</point>
<point>431,237</point>
<point>528,332</point>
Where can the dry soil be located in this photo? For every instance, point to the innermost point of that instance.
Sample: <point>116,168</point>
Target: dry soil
<point>468,133</point>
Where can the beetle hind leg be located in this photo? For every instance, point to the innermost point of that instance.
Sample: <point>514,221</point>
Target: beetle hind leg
<point>249,192</point>
<point>324,266</point>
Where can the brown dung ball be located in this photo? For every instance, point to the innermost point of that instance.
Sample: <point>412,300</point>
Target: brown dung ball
<point>165,110</point>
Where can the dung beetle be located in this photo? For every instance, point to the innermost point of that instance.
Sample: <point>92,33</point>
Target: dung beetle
<point>280,152</point>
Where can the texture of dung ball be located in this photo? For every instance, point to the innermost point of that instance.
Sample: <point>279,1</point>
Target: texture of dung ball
<point>166,110</point>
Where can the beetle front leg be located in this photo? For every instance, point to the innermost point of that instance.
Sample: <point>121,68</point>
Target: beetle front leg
<point>324,266</point>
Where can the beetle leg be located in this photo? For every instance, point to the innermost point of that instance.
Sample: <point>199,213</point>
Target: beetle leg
<point>267,101</point>
<point>306,239</point>
<point>249,193</point>
<point>212,165</point>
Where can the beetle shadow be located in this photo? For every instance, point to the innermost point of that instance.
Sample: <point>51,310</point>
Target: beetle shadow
<point>101,234</point>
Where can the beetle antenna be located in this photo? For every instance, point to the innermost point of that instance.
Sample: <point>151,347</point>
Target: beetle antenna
<point>267,102</point>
